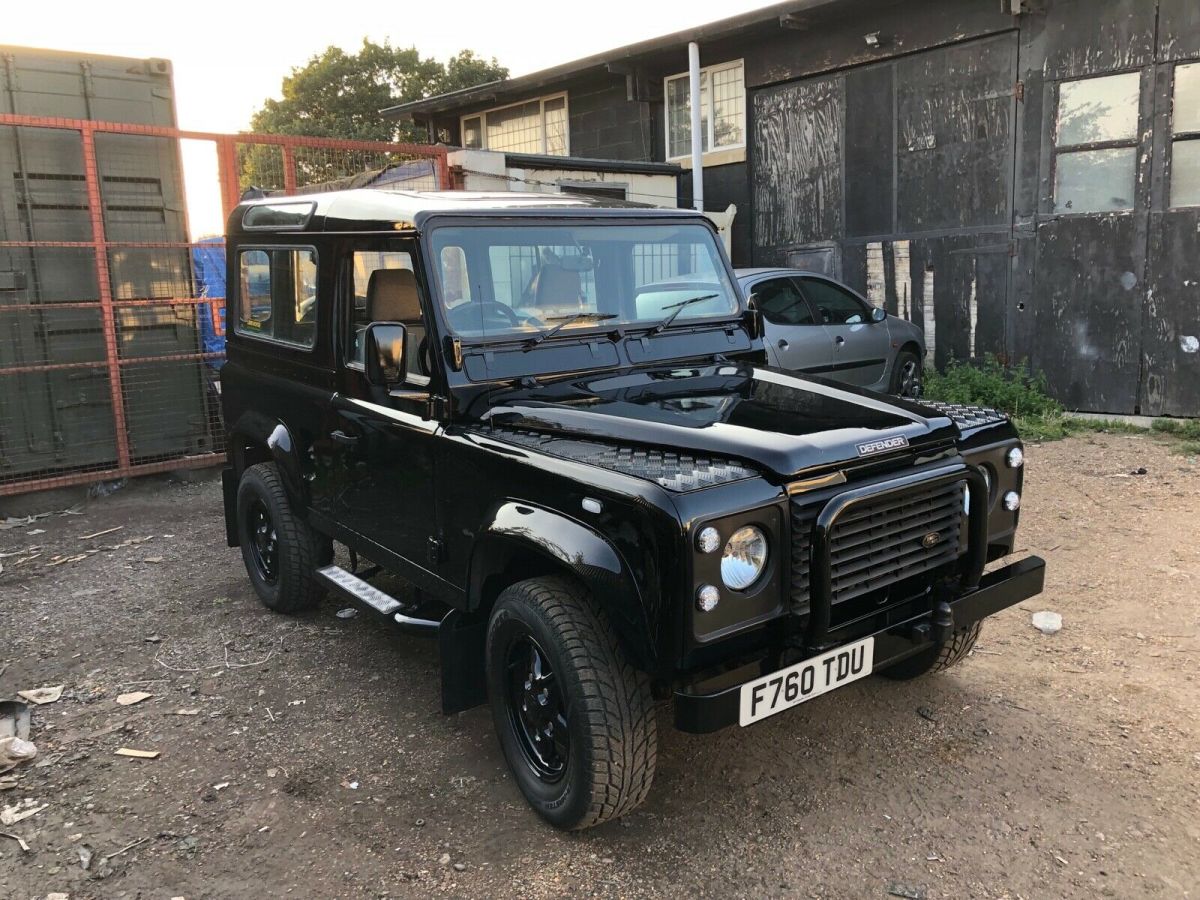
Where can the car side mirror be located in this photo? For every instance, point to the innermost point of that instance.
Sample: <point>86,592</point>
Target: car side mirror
<point>878,314</point>
<point>753,320</point>
<point>384,352</point>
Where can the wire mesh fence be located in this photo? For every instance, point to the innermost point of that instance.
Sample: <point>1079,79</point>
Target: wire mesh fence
<point>112,304</point>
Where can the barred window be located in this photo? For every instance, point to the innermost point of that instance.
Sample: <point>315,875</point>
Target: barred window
<point>534,126</point>
<point>722,110</point>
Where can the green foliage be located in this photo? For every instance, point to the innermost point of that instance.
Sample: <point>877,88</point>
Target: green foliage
<point>1187,429</point>
<point>1013,390</point>
<point>338,95</point>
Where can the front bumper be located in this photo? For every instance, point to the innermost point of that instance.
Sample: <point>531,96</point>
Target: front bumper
<point>700,713</point>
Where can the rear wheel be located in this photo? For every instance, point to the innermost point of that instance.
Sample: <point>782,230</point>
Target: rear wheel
<point>936,658</point>
<point>575,720</point>
<point>278,547</point>
<point>906,375</point>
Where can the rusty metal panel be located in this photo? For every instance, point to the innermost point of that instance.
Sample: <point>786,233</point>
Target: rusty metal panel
<point>797,163</point>
<point>1084,37</point>
<point>954,139</point>
<point>1087,311</point>
<point>1171,377</point>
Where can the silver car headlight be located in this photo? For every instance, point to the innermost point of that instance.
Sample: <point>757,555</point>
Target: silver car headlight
<point>744,557</point>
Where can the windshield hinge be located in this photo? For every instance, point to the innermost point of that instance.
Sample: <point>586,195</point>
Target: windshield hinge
<point>456,348</point>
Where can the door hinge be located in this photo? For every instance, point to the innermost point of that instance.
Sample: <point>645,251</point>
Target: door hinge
<point>1019,91</point>
<point>433,549</point>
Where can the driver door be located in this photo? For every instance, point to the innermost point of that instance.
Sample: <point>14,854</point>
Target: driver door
<point>860,346</point>
<point>379,444</point>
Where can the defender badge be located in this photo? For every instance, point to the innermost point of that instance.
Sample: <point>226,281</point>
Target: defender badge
<point>881,445</point>
<point>931,540</point>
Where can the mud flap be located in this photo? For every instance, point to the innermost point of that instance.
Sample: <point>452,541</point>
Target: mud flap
<point>461,640</point>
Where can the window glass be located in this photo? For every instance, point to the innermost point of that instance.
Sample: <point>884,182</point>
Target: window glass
<point>729,108</point>
<point>1098,109</point>
<point>363,263</point>
<point>517,129</point>
<point>555,112</point>
<point>722,110</point>
<point>1094,180</point>
<point>1185,173</point>
<point>278,295</point>
<point>1186,115</point>
<point>278,215</point>
<point>835,305</point>
<point>782,303</point>
<point>472,136</point>
<point>531,278</point>
<point>679,114</point>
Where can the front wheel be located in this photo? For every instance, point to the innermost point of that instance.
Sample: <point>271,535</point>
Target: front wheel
<point>936,658</point>
<point>575,720</point>
<point>906,375</point>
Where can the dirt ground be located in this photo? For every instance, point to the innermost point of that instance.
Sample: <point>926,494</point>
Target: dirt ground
<point>316,763</point>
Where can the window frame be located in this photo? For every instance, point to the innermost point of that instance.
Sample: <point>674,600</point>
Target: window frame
<point>271,338</point>
<point>816,322</point>
<point>541,100</point>
<point>1179,137</point>
<point>865,306</point>
<point>711,135</point>
<point>1132,142</point>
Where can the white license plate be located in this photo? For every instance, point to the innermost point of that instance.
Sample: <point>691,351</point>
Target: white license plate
<point>819,675</point>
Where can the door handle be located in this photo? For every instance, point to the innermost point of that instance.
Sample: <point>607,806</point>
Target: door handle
<point>839,340</point>
<point>783,345</point>
<point>346,440</point>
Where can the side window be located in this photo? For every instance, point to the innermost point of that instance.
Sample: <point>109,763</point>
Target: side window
<point>384,298</point>
<point>1185,131</point>
<point>1095,143</point>
<point>278,295</point>
<point>835,305</point>
<point>782,303</point>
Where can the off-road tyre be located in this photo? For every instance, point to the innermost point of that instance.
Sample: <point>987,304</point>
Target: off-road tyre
<point>935,659</point>
<point>610,710</point>
<point>294,587</point>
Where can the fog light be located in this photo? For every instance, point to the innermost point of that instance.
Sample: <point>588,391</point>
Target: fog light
<point>707,598</point>
<point>1012,501</point>
<point>708,540</point>
<point>1015,458</point>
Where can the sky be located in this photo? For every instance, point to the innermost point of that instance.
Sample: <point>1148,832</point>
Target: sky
<point>228,57</point>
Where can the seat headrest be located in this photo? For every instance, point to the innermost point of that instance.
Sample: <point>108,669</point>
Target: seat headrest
<point>557,286</point>
<point>392,296</point>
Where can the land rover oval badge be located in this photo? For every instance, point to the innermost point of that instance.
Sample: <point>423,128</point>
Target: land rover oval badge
<point>931,540</point>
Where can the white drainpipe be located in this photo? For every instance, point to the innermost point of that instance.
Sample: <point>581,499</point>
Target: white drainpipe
<point>697,136</point>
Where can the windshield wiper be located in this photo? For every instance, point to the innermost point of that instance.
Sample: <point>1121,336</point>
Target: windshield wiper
<point>568,320</point>
<point>677,309</point>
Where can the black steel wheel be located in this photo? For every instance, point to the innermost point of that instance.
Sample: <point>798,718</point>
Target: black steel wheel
<point>279,549</point>
<point>575,719</point>
<point>906,375</point>
<point>538,710</point>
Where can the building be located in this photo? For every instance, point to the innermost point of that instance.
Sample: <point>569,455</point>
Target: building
<point>1022,177</point>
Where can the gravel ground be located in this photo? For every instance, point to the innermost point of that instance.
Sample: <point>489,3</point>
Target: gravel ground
<point>308,757</point>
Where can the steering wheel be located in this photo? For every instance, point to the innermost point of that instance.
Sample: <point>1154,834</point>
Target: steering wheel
<point>479,314</point>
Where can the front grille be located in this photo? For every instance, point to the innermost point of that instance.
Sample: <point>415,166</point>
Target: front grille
<point>879,543</point>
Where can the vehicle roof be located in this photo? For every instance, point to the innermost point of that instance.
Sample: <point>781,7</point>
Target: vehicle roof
<point>374,207</point>
<point>780,270</point>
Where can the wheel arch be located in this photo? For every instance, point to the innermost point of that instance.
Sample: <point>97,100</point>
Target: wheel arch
<point>257,438</point>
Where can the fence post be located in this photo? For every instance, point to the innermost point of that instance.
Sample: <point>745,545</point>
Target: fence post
<point>289,169</point>
<point>227,166</point>
<point>91,173</point>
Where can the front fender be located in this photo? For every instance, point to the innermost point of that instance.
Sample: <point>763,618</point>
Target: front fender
<point>515,530</point>
<point>257,431</point>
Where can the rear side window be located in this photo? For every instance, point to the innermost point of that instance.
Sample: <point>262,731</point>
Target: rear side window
<point>278,295</point>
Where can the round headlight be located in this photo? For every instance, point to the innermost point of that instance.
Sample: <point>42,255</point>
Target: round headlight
<point>1015,458</point>
<point>744,558</point>
<point>707,598</point>
<point>1012,501</point>
<point>708,540</point>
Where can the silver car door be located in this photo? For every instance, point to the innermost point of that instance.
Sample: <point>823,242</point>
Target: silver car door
<point>860,346</point>
<point>795,338</point>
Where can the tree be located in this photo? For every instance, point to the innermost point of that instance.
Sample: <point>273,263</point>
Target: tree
<point>338,94</point>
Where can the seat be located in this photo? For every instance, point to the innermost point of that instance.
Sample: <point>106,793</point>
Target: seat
<point>392,296</point>
<point>557,286</point>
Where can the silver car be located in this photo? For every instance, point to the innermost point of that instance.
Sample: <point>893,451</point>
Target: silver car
<point>819,326</point>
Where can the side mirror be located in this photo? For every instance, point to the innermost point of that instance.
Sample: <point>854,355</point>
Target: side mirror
<point>753,320</point>
<point>878,314</point>
<point>384,352</point>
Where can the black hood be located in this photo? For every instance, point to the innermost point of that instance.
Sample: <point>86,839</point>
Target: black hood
<point>771,418</point>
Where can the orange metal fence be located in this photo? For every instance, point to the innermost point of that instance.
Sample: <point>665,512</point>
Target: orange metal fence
<point>104,370</point>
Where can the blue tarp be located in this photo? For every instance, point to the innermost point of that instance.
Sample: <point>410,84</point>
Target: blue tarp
<point>208,262</point>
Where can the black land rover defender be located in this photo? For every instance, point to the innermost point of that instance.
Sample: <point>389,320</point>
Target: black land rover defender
<point>553,420</point>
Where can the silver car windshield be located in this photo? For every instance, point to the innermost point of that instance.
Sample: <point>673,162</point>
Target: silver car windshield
<point>516,280</point>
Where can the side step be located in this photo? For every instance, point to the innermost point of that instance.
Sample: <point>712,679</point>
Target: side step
<point>350,585</point>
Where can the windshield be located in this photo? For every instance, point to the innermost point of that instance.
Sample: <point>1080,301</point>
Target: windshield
<point>518,280</point>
